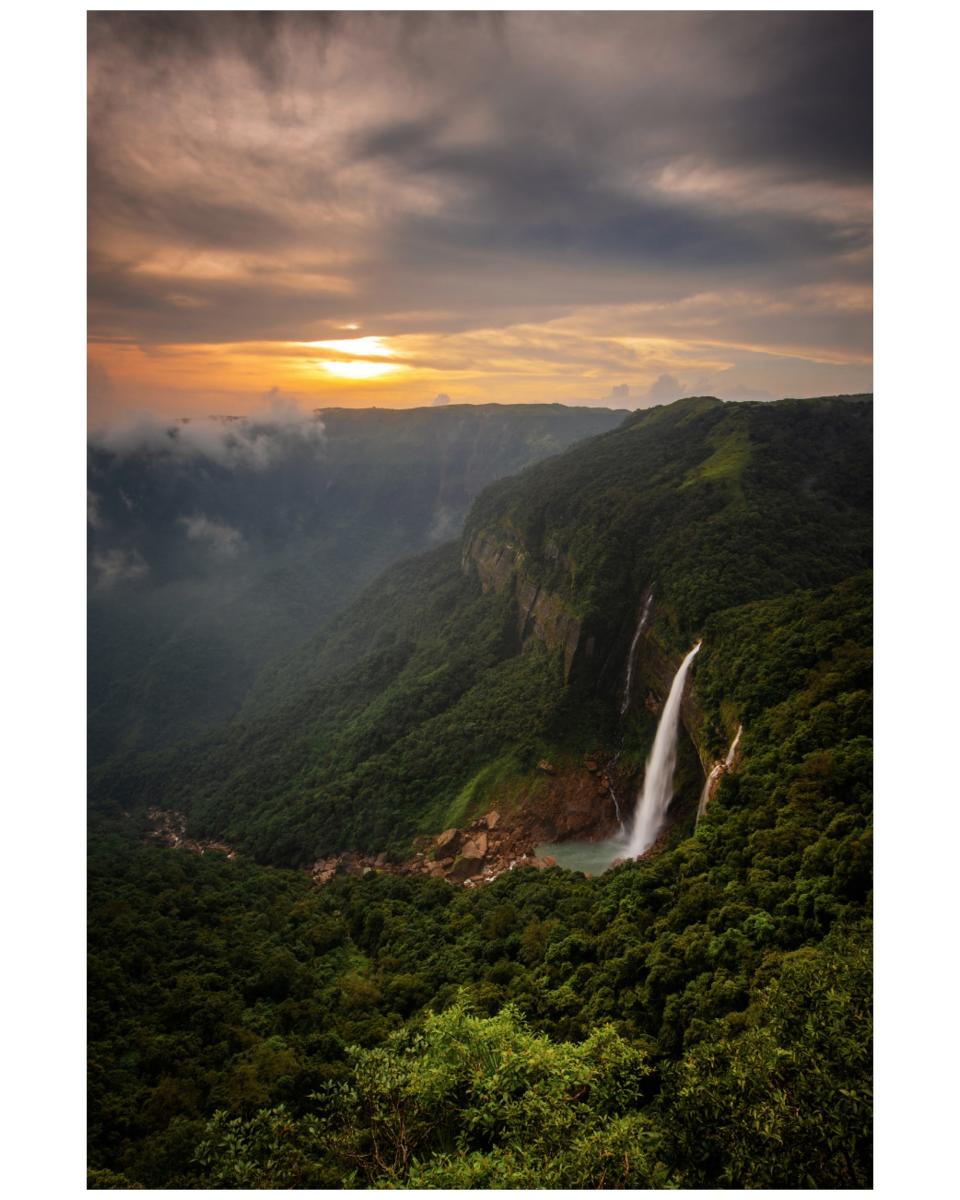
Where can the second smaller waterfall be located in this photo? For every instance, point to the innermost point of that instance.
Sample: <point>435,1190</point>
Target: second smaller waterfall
<point>718,769</point>
<point>709,784</point>
<point>644,617</point>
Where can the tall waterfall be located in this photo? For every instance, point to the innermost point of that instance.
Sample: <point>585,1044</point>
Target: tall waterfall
<point>658,780</point>
<point>625,704</point>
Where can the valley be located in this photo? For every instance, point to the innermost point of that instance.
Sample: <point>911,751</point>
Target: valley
<point>587,788</point>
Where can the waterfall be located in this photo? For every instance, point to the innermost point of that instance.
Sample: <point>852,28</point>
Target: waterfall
<point>616,805</point>
<point>630,657</point>
<point>716,771</point>
<point>658,780</point>
<point>728,761</point>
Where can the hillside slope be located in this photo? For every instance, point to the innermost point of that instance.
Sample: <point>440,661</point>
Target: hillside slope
<point>444,685</point>
<point>697,1018</point>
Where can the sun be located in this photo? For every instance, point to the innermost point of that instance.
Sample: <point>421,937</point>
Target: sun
<point>358,369</point>
<point>356,358</point>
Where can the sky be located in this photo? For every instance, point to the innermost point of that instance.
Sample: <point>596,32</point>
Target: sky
<point>405,209</point>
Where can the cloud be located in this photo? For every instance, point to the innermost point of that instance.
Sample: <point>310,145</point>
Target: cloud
<point>617,397</point>
<point>445,525</point>
<point>94,518</point>
<point>540,164</point>
<point>255,441</point>
<point>440,400</point>
<point>115,567</point>
<point>222,539</point>
<point>666,388</point>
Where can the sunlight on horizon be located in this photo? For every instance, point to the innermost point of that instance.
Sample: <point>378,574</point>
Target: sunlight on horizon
<point>364,361</point>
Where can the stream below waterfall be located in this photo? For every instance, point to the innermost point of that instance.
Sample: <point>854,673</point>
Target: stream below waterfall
<point>592,858</point>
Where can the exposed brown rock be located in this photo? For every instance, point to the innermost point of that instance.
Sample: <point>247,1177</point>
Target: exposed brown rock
<point>470,849</point>
<point>449,842</point>
<point>170,829</point>
<point>462,869</point>
<point>562,803</point>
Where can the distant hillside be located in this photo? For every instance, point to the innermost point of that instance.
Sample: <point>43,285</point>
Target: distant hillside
<point>216,545</point>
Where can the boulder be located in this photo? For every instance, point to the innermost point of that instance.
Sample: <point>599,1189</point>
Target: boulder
<point>492,819</point>
<point>449,842</point>
<point>475,847</point>
<point>462,869</point>
<point>543,765</point>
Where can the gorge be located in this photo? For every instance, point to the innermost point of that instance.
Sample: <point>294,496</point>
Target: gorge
<point>465,712</point>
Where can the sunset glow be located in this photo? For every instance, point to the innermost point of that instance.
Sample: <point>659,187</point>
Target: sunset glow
<point>496,225</point>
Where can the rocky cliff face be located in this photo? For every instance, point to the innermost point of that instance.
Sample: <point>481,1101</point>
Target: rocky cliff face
<point>541,614</point>
<point>503,566</point>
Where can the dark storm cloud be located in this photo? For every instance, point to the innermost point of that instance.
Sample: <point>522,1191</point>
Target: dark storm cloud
<point>530,197</point>
<point>789,90</point>
<point>815,107</point>
<point>174,41</point>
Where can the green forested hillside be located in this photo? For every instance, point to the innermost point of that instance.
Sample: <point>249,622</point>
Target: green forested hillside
<point>372,731</point>
<point>714,504</point>
<point>723,987</point>
<point>698,1018</point>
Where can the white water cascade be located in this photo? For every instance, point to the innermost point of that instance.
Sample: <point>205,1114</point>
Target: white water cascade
<point>644,616</point>
<point>658,780</point>
<point>731,753</point>
<point>716,771</point>
<point>709,784</point>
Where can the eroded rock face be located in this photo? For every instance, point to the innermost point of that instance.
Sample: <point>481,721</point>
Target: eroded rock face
<point>464,868</point>
<point>541,614</point>
<point>170,829</point>
<point>573,802</point>
<point>449,842</point>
